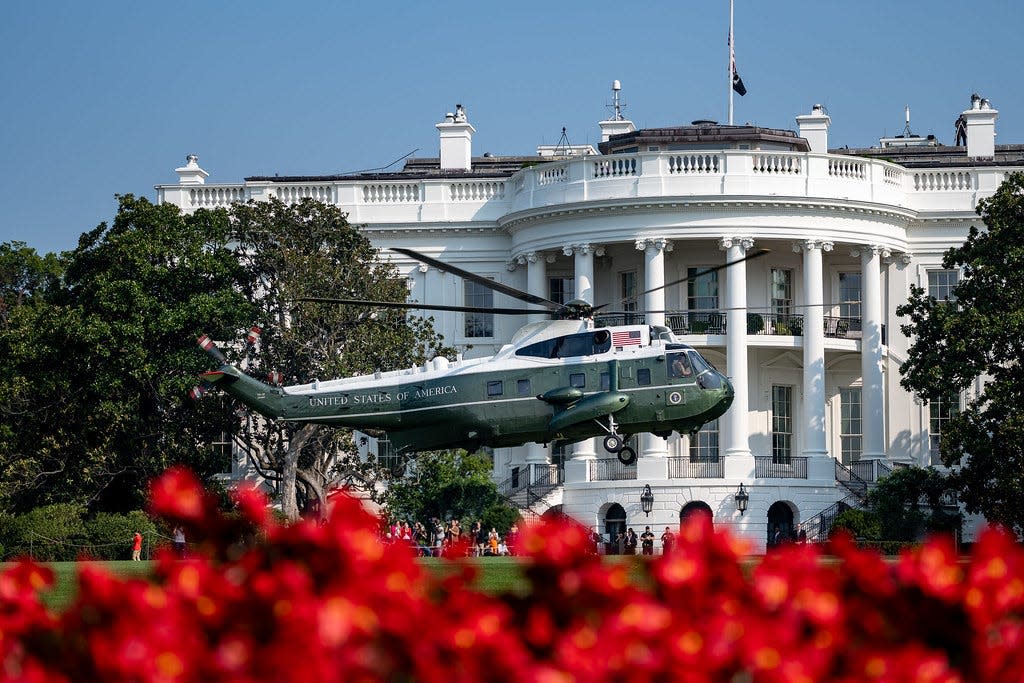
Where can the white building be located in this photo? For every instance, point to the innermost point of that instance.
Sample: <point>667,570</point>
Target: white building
<point>808,334</point>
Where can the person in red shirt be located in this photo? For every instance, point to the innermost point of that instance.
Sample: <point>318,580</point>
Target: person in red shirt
<point>136,546</point>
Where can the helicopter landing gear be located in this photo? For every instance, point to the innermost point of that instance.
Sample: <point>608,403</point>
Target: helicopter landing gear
<point>627,456</point>
<point>613,443</point>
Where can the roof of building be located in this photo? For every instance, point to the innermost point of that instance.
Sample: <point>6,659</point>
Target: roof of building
<point>427,167</point>
<point>938,156</point>
<point>704,132</point>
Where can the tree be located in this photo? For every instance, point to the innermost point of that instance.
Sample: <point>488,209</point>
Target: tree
<point>292,252</point>
<point>449,485</point>
<point>978,334</point>
<point>98,355</point>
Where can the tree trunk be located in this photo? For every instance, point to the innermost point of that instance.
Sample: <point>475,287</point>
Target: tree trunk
<point>289,471</point>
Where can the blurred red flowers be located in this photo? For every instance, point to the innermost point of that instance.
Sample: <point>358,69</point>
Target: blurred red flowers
<point>329,602</point>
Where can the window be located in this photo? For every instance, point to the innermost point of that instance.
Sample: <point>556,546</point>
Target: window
<point>577,380</point>
<point>782,292</point>
<point>495,388</point>
<point>782,424</point>
<point>627,293</point>
<point>223,451</point>
<point>643,377</point>
<point>701,291</point>
<point>851,431</point>
<point>606,381</point>
<point>939,413</point>
<point>849,299</point>
<point>523,387</point>
<point>561,289</point>
<point>478,324</point>
<point>704,444</point>
<point>569,346</point>
<point>941,284</point>
<point>679,366</point>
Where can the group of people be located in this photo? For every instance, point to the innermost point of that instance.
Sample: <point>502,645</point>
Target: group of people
<point>178,537</point>
<point>626,542</point>
<point>437,538</point>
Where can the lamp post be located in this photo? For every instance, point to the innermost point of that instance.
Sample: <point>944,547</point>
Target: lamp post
<point>647,499</point>
<point>741,499</point>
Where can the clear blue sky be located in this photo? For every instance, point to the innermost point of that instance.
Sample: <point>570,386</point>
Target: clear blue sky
<point>108,97</point>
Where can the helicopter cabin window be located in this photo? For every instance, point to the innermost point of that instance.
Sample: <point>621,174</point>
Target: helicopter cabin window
<point>495,388</point>
<point>569,346</point>
<point>679,366</point>
<point>606,381</point>
<point>643,377</point>
<point>478,324</point>
<point>577,380</point>
<point>523,387</point>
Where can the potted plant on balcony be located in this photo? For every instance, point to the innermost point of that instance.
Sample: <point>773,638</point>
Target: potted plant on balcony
<point>755,323</point>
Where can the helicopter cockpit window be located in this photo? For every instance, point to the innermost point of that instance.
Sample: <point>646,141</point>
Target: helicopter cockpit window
<point>679,366</point>
<point>700,364</point>
<point>569,346</point>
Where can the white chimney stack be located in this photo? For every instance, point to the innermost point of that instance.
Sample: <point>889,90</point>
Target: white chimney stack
<point>190,173</point>
<point>814,128</point>
<point>981,128</point>
<point>456,141</point>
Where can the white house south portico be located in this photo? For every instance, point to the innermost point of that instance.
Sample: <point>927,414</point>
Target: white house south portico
<point>807,333</point>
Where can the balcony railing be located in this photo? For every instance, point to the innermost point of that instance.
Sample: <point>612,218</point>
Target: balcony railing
<point>769,467</point>
<point>714,322</point>
<point>695,468</point>
<point>611,469</point>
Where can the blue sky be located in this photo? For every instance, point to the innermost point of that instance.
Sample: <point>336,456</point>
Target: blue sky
<point>107,98</point>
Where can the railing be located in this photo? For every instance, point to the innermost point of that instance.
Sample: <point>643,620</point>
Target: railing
<point>611,469</point>
<point>391,193</point>
<point>787,164</point>
<point>850,481</point>
<point>943,181</point>
<point>614,166</point>
<point>557,174</point>
<point>686,467</point>
<point>848,168</point>
<point>768,467</point>
<point>292,194</point>
<point>693,164</point>
<point>547,475</point>
<point>477,192</point>
<point>819,527</point>
<point>865,469</point>
<point>696,322</point>
<point>215,196</point>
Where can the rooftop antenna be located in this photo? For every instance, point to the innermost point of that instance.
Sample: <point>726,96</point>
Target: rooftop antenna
<point>906,128</point>
<point>616,106</point>
<point>563,145</point>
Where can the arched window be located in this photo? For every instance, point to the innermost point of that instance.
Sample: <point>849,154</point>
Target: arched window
<point>695,507</point>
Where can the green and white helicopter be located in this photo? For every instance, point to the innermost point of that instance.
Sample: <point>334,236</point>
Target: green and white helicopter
<point>561,380</point>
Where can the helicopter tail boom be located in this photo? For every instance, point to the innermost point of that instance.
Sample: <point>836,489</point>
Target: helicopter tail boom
<point>263,398</point>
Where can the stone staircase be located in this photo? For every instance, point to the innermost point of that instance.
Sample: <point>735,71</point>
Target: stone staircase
<point>531,489</point>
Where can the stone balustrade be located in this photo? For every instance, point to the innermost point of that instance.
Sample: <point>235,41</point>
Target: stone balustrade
<point>707,175</point>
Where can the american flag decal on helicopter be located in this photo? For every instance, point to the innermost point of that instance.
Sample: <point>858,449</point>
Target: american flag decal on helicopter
<point>626,338</point>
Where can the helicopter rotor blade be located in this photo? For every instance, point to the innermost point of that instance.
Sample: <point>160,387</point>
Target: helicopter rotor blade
<point>757,254</point>
<point>481,280</point>
<point>413,305</point>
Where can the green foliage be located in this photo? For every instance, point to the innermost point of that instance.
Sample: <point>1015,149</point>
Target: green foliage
<point>979,334</point>
<point>755,323</point>
<point>449,485</point>
<point>98,355</point>
<point>291,253</point>
<point>861,524</point>
<point>63,532</point>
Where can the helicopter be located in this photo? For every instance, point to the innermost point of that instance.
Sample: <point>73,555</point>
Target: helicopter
<point>564,379</point>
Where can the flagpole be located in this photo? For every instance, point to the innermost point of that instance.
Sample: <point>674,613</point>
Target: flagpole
<point>731,63</point>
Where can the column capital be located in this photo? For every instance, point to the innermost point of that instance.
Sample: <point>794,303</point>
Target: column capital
<point>875,249</point>
<point>585,248</point>
<point>659,243</point>
<point>744,243</point>
<point>423,267</point>
<point>810,245</point>
<point>511,265</point>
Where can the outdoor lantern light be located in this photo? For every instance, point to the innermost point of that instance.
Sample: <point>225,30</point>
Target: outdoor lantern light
<point>741,499</point>
<point>647,500</point>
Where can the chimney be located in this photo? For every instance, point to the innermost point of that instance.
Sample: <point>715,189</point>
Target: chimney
<point>981,128</point>
<point>190,173</point>
<point>814,128</point>
<point>456,141</point>
<point>617,123</point>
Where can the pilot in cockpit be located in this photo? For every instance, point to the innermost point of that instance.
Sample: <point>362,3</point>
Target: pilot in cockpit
<point>681,365</point>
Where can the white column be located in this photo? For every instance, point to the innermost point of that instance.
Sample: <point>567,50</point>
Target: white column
<point>584,278</point>
<point>737,428</point>
<point>536,279</point>
<point>583,263</point>
<point>873,388</point>
<point>814,348</point>
<point>654,249</point>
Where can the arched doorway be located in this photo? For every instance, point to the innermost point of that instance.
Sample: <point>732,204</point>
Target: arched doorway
<point>693,508</point>
<point>780,518</point>
<point>614,524</point>
<point>553,513</point>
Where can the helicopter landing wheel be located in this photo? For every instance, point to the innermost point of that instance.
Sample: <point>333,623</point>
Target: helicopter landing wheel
<point>627,456</point>
<point>613,443</point>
